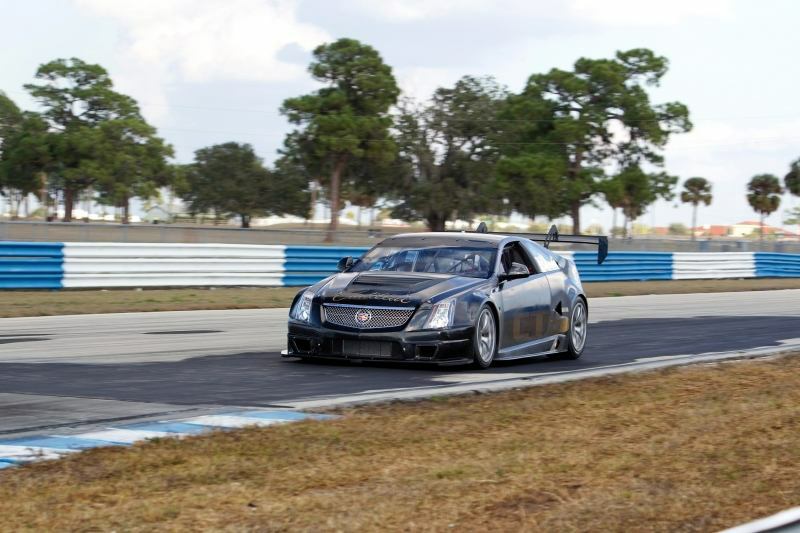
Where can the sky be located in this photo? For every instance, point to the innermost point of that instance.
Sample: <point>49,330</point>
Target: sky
<point>212,71</point>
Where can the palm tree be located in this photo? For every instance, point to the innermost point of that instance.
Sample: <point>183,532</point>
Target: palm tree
<point>696,191</point>
<point>764,196</point>
<point>792,182</point>
<point>792,179</point>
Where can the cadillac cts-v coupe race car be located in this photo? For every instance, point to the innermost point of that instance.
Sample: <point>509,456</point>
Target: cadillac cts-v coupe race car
<point>447,298</point>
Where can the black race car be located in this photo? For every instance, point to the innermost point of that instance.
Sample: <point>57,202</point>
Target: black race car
<point>447,298</point>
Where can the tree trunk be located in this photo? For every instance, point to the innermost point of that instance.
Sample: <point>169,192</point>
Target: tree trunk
<point>694,220</point>
<point>613,220</point>
<point>313,201</point>
<point>14,202</point>
<point>245,220</point>
<point>336,178</point>
<point>44,198</point>
<point>69,202</point>
<point>575,208</point>
<point>126,208</point>
<point>575,213</point>
<point>436,222</point>
<point>761,236</point>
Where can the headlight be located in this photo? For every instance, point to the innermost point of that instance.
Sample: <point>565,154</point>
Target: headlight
<point>441,315</point>
<point>302,309</point>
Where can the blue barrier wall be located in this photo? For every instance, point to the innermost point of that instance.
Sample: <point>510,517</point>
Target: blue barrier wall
<point>306,265</point>
<point>772,265</point>
<point>31,265</point>
<point>86,265</point>
<point>630,266</point>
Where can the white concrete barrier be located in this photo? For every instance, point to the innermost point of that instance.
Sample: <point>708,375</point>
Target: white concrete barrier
<point>690,265</point>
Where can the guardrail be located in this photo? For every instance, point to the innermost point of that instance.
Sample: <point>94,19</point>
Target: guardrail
<point>26,265</point>
<point>31,265</point>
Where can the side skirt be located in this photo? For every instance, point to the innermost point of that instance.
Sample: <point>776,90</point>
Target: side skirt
<point>538,348</point>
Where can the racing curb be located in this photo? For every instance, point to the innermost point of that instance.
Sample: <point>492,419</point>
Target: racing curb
<point>643,365</point>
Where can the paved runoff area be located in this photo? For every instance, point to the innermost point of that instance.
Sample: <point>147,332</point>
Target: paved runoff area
<point>100,379</point>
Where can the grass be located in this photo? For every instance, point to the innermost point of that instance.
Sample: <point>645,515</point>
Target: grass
<point>43,303</point>
<point>691,449</point>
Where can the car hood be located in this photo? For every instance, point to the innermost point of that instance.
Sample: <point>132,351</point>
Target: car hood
<point>392,288</point>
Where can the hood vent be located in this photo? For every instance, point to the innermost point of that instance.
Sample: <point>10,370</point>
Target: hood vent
<point>389,281</point>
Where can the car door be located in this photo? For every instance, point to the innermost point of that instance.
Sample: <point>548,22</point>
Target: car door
<point>525,305</point>
<point>546,263</point>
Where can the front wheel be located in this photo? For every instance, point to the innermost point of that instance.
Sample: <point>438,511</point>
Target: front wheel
<point>578,330</point>
<point>484,345</point>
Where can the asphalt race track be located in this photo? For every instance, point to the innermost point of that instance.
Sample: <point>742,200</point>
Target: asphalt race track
<point>71,371</point>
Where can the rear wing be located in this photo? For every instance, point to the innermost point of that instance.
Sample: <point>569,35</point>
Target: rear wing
<point>554,236</point>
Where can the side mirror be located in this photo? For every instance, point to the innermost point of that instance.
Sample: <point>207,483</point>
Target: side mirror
<point>345,263</point>
<point>517,271</point>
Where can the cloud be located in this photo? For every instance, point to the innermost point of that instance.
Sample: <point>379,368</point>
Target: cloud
<point>605,13</point>
<point>163,42</point>
<point>206,40</point>
<point>411,10</point>
<point>643,13</point>
<point>420,82</point>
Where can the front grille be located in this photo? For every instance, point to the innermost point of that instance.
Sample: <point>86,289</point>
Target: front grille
<point>358,348</point>
<point>367,317</point>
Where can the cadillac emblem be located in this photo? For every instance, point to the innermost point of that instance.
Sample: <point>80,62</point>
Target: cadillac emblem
<point>363,316</point>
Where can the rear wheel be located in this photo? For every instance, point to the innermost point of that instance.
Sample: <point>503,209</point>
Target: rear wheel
<point>578,330</point>
<point>484,344</point>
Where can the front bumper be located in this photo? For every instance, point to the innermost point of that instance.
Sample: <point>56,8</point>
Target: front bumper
<point>450,346</point>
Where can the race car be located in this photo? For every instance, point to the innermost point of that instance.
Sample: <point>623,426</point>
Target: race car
<point>451,298</point>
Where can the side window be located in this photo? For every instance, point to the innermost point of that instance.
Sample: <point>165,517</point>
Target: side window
<point>513,252</point>
<point>545,261</point>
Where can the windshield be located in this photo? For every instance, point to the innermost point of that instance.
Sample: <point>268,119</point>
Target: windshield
<point>456,260</point>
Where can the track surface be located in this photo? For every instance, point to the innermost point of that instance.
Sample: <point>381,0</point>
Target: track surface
<point>84,369</point>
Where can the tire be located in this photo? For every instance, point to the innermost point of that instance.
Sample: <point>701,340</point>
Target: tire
<point>578,330</point>
<point>484,342</point>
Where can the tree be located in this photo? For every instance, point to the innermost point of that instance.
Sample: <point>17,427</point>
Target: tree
<point>348,119</point>
<point>531,170</point>
<point>229,179</point>
<point>792,179</point>
<point>24,155</point>
<point>23,152</point>
<point>448,152</point>
<point>614,194</point>
<point>792,216</point>
<point>131,161</point>
<point>601,114</point>
<point>77,97</point>
<point>696,191</point>
<point>10,117</point>
<point>367,182</point>
<point>678,229</point>
<point>764,192</point>
<point>632,190</point>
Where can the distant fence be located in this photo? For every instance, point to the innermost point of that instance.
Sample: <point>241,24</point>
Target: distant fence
<point>302,235</point>
<point>33,265</point>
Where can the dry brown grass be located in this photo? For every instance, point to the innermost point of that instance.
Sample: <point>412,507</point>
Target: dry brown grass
<point>44,303</point>
<point>691,449</point>
<point>632,288</point>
